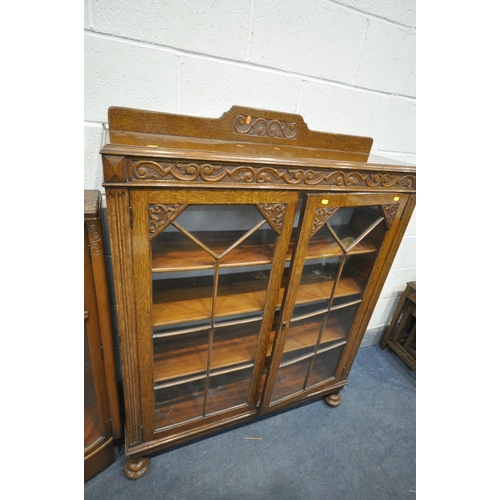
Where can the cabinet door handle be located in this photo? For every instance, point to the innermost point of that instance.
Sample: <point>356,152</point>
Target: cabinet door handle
<point>283,326</point>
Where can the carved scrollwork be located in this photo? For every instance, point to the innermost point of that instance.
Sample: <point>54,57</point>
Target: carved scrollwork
<point>321,215</point>
<point>274,214</point>
<point>148,170</point>
<point>160,216</point>
<point>389,212</point>
<point>264,127</point>
<point>95,238</point>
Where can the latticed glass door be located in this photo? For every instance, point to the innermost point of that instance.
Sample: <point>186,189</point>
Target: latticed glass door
<point>208,299</point>
<point>338,242</point>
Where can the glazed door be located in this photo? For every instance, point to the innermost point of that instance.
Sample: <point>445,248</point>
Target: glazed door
<point>341,243</point>
<point>98,436</point>
<point>207,267</point>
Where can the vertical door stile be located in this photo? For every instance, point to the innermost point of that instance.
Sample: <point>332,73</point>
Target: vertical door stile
<point>272,299</point>
<point>211,334</point>
<point>287,304</point>
<point>144,300</point>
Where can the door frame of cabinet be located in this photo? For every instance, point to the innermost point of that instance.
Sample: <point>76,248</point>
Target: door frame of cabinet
<point>312,206</point>
<point>137,347</point>
<point>139,382</point>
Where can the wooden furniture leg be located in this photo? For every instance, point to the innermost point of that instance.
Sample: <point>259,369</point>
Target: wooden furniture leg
<point>333,399</point>
<point>136,467</point>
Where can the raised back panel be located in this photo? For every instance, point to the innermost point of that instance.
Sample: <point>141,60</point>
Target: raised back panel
<point>237,124</point>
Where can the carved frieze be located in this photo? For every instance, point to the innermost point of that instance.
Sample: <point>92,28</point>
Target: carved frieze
<point>149,170</point>
<point>264,127</point>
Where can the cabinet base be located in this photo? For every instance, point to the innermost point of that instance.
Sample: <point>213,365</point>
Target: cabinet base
<point>135,468</point>
<point>333,400</point>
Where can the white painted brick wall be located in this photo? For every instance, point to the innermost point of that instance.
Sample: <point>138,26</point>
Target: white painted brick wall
<point>346,66</point>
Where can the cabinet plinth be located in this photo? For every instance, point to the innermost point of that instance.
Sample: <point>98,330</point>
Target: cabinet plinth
<point>248,255</point>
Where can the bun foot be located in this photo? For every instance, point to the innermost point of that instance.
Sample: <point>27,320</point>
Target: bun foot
<point>333,400</point>
<point>135,468</point>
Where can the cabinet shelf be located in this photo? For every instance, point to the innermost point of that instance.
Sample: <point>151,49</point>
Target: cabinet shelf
<point>185,357</point>
<point>174,252</point>
<point>302,354</point>
<point>225,390</point>
<point>308,334</point>
<point>174,303</point>
<point>181,357</point>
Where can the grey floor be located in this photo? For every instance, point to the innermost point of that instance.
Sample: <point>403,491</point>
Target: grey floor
<point>363,449</point>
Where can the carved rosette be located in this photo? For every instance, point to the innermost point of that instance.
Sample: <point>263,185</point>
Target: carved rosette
<point>149,170</point>
<point>160,216</point>
<point>264,127</point>
<point>389,212</point>
<point>274,214</point>
<point>321,215</point>
<point>95,238</point>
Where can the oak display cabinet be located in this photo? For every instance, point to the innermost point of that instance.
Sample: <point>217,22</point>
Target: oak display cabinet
<point>102,418</point>
<point>248,255</point>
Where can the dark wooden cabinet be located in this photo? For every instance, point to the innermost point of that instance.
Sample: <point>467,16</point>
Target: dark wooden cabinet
<point>102,420</point>
<point>248,255</point>
<point>401,335</point>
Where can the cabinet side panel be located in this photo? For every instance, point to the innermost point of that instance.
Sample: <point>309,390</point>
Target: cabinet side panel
<point>121,254</point>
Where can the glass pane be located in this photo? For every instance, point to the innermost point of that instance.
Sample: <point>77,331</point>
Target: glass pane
<point>210,274</point>
<point>228,390</point>
<point>234,344</point>
<point>324,365</point>
<point>175,251</point>
<point>178,403</point>
<point>291,379</point>
<point>202,234</point>
<point>180,355</point>
<point>93,425</point>
<point>242,293</point>
<point>181,300</point>
<point>302,335</point>
<point>318,278</point>
<point>338,324</point>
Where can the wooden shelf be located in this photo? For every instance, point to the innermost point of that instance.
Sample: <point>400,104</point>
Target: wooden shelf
<point>177,301</point>
<point>186,355</point>
<point>175,252</point>
<point>183,404</point>
<point>292,374</point>
<point>307,335</point>
<point>179,404</point>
